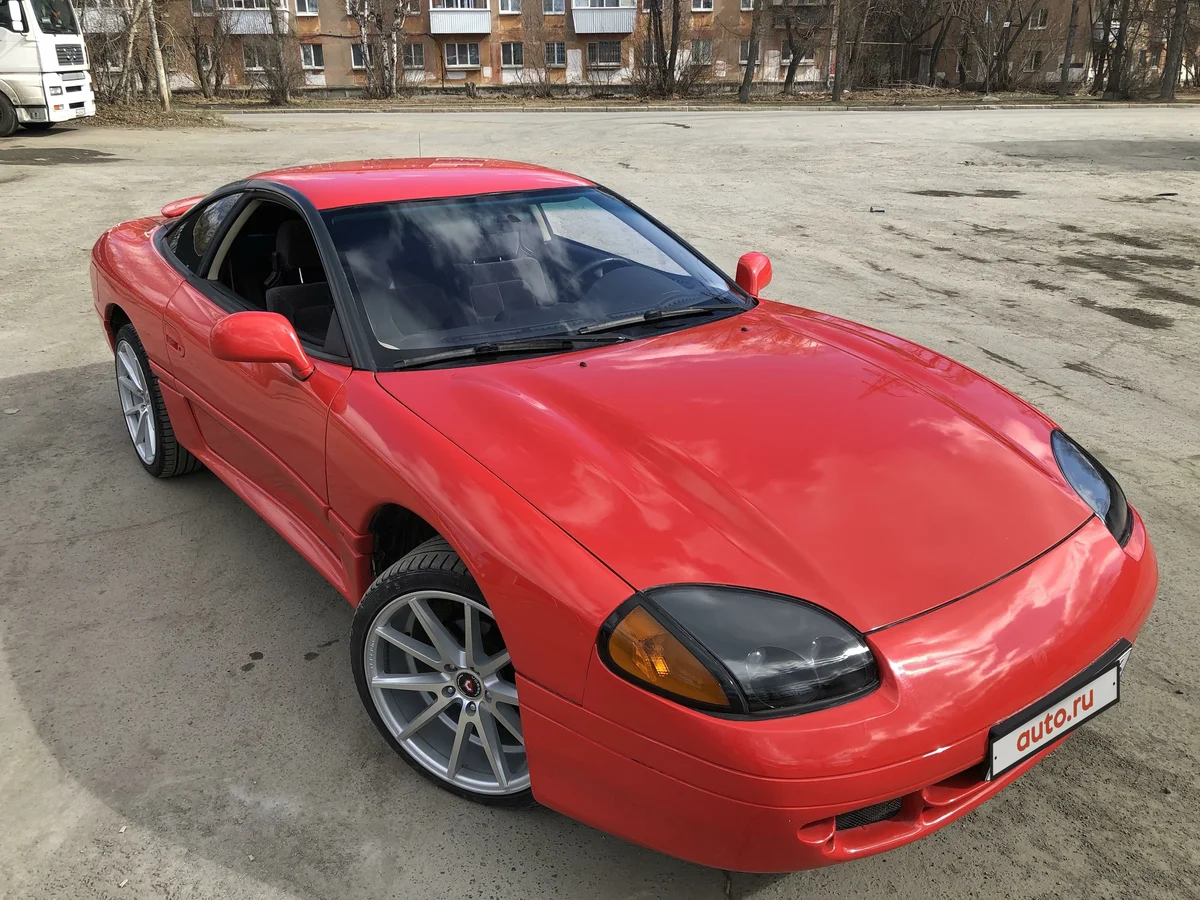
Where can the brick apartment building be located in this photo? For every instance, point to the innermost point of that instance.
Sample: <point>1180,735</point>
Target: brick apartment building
<point>602,42</point>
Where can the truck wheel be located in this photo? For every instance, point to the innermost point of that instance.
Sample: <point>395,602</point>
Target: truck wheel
<point>8,117</point>
<point>37,126</point>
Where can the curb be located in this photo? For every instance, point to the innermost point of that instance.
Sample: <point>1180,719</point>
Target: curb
<point>790,108</point>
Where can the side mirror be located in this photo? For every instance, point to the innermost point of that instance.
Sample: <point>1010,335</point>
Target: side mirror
<point>259,337</point>
<point>753,273</point>
<point>177,208</point>
<point>16,16</point>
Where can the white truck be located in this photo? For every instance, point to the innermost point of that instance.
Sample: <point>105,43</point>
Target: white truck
<point>43,66</point>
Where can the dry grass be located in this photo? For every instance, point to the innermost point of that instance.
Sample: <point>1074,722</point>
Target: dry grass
<point>146,115</point>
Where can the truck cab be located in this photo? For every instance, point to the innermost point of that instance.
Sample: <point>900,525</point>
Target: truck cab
<point>44,75</point>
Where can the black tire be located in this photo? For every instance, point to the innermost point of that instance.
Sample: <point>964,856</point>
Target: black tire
<point>432,566</point>
<point>8,117</point>
<point>170,459</point>
<point>37,126</point>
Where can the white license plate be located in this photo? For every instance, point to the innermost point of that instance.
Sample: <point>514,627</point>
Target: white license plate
<point>80,113</point>
<point>1054,721</point>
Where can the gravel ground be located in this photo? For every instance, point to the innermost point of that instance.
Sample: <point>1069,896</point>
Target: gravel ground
<point>176,709</point>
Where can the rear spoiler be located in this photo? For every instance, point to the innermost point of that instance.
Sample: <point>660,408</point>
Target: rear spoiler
<point>177,208</point>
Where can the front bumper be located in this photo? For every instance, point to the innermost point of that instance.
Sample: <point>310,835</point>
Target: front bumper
<point>65,95</point>
<point>764,796</point>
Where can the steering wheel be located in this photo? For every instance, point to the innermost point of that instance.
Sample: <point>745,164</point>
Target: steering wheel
<point>595,270</point>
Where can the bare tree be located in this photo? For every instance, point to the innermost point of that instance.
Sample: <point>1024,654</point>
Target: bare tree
<point>535,73</point>
<point>1065,74</point>
<point>801,23</point>
<point>665,29</point>
<point>381,30</point>
<point>757,23</point>
<point>207,37</point>
<point>279,53</point>
<point>160,71</point>
<point>1174,61</point>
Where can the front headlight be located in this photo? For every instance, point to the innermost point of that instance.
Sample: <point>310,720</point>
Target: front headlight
<point>1095,484</point>
<point>55,91</point>
<point>737,650</point>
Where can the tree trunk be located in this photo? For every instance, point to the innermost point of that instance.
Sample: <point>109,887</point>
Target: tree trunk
<point>836,45</point>
<point>160,71</point>
<point>789,80</point>
<point>752,60</point>
<point>673,60</point>
<point>1174,51</point>
<point>856,49</point>
<point>1065,75</point>
<point>125,89</point>
<point>1116,65</point>
<point>936,51</point>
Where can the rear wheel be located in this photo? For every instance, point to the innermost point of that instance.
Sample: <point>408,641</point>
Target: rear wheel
<point>145,413</point>
<point>8,117</point>
<point>435,676</point>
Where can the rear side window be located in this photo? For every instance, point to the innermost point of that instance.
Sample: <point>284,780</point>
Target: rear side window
<point>191,240</point>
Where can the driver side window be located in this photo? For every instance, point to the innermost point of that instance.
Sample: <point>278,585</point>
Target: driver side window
<point>192,237</point>
<point>269,261</point>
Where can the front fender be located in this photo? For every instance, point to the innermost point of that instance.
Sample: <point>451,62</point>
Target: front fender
<point>548,593</point>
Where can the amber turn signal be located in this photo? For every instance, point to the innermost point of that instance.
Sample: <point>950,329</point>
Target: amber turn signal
<point>642,647</point>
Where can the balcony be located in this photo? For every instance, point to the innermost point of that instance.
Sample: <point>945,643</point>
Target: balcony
<point>475,18</point>
<point>244,16</point>
<point>604,16</point>
<point>95,20</point>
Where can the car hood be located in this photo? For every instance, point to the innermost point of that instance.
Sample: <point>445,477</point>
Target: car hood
<point>778,449</point>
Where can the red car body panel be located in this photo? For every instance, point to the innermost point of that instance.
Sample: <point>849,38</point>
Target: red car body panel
<point>758,451</point>
<point>780,449</point>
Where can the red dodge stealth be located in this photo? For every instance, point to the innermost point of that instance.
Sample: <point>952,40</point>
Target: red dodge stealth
<point>746,583</point>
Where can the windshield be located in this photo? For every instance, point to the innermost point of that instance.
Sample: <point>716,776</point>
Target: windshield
<point>441,274</point>
<point>54,16</point>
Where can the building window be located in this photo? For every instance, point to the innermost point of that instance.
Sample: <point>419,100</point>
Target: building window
<point>604,54</point>
<point>599,4</point>
<point>206,7</point>
<point>360,56</point>
<point>414,56</point>
<point>1039,19</point>
<point>747,6</point>
<point>254,57</point>
<point>312,56</point>
<point>553,7</point>
<point>744,53</point>
<point>512,55</point>
<point>702,52</point>
<point>306,7</point>
<point>1033,61</point>
<point>462,56</point>
<point>510,6</point>
<point>556,54</point>
<point>702,5</point>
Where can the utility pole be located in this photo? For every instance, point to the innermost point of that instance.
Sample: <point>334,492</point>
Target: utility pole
<point>987,75</point>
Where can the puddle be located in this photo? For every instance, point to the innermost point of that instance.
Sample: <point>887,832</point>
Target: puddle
<point>53,156</point>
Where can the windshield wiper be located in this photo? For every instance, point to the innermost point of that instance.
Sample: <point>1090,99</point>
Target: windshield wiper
<point>496,348</point>
<point>656,315</point>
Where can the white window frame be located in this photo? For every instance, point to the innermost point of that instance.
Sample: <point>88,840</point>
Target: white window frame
<point>702,6</point>
<point>506,50</point>
<point>256,51</point>
<point>556,63</point>
<point>692,60</point>
<point>510,7</point>
<point>314,66</point>
<point>404,52</point>
<point>1032,63</point>
<point>1039,19</point>
<point>456,65</point>
<point>310,8</point>
<point>364,56</point>
<point>604,65</point>
<point>746,5</point>
<point>556,7</point>
<point>744,52</point>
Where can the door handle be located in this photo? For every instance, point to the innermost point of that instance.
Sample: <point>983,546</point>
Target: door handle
<point>173,341</point>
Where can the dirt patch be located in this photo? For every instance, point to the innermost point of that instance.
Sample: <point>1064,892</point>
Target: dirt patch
<point>1130,315</point>
<point>146,116</point>
<point>994,193</point>
<point>1166,261</point>
<point>53,156</point>
<point>1153,292</point>
<point>1086,368</point>
<point>1043,285</point>
<point>1011,363</point>
<point>987,229</point>
<point>1074,229</point>
<point>1126,240</point>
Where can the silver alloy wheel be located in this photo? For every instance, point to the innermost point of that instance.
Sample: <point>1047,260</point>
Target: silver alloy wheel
<point>134,387</point>
<point>443,683</point>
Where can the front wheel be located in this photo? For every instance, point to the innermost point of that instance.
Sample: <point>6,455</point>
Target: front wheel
<point>435,676</point>
<point>8,117</point>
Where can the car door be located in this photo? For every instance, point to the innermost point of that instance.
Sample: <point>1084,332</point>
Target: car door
<point>263,421</point>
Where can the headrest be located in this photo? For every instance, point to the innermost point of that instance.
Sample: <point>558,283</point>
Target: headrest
<point>295,246</point>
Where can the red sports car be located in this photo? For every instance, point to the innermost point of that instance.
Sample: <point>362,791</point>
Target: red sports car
<point>742,582</point>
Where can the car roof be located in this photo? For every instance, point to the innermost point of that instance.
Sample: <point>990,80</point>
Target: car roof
<point>338,184</point>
